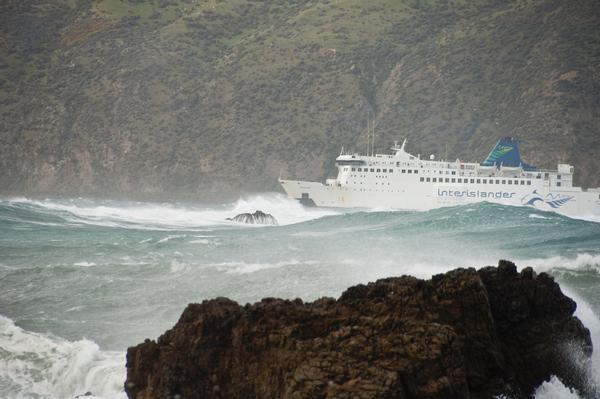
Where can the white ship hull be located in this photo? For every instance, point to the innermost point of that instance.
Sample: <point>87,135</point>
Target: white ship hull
<point>577,203</point>
<point>405,182</point>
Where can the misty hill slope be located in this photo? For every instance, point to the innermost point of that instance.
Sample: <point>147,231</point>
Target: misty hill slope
<point>210,99</point>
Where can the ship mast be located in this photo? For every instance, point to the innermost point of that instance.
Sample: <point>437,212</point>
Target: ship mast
<point>368,136</point>
<point>373,127</point>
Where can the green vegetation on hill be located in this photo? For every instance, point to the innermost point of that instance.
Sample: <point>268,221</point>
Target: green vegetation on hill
<point>208,99</point>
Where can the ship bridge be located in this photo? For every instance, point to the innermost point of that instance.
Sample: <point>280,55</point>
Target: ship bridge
<point>349,160</point>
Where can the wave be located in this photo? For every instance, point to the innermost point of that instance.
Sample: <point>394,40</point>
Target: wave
<point>248,267</point>
<point>34,365</point>
<point>537,216</point>
<point>581,262</point>
<point>199,217</point>
<point>184,216</point>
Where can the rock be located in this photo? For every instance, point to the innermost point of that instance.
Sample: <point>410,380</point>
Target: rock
<point>258,217</point>
<point>462,334</point>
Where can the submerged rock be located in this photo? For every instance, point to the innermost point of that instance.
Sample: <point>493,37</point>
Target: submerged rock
<point>258,217</point>
<point>462,334</point>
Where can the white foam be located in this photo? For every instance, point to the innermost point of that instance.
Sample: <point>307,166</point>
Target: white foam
<point>174,216</point>
<point>178,267</point>
<point>284,209</point>
<point>202,241</point>
<point>555,389</point>
<point>580,262</point>
<point>249,267</point>
<point>169,238</point>
<point>536,216</point>
<point>41,366</point>
<point>84,264</point>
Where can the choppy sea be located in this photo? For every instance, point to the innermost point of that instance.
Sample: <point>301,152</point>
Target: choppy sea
<point>83,279</point>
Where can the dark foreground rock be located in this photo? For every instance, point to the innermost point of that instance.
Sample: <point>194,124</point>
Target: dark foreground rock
<point>258,217</point>
<point>463,334</point>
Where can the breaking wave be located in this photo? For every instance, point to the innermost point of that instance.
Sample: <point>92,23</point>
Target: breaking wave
<point>147,215</point>
<point>35,365</point>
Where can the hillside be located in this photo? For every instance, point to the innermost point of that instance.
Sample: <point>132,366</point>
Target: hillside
<point>212,99</point>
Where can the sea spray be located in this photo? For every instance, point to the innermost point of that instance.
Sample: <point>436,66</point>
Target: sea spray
<point>590,319</point>
<point>141,215</point>
<point>555,389</point>
<point>40,366</point>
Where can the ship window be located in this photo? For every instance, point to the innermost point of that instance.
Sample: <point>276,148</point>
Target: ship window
<point>558,177</point>
<point>378,170</point>
<point>528,182</point>
<point>503,181</point>
<point>409,171</point>
<point>558,184</point>
<point>435,179</point>
<point>403,170</point>
<point>497,181</point>
<point>360,169</point>
<point>447,180</point>
<point>522,182</point>
<point>453,172</point>
<point>385,170</point>
<point>422,179</point>
<point>509,181</point>
<point>484,181</point>
<point>391,170</point>
<point>416,171</point>
<point>397,163</point>
<point>372,170</point>
<point>478,181</point>
<point>453,180</point>
<point>428,179</point>
<point>472,181</point>
<point>354,169</point>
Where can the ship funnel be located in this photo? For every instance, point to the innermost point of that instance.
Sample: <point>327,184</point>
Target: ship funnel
<point>506,153</point>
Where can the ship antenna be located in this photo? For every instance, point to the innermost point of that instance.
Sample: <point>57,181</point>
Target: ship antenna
<point>373,126</point>
<point>368,136</point>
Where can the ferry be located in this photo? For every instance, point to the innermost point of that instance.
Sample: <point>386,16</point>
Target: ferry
<point>404,181</point>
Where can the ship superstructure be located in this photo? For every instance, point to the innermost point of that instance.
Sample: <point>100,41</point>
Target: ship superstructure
<point>404,181</point>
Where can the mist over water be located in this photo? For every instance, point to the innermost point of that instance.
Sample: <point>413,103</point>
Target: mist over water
<point>81,279</point>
